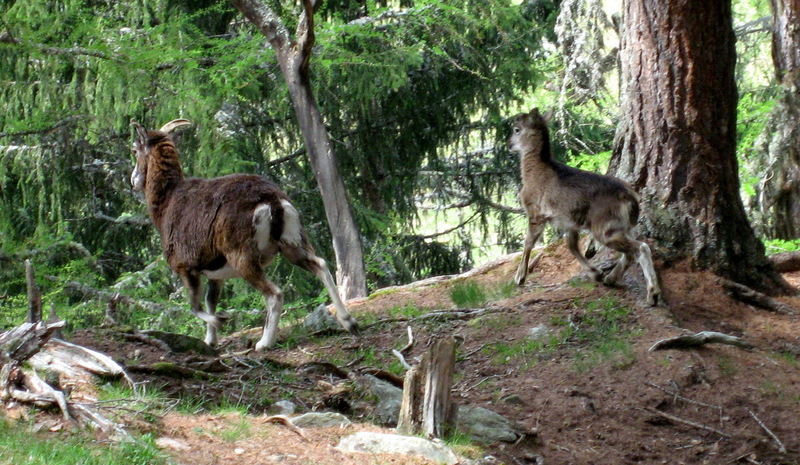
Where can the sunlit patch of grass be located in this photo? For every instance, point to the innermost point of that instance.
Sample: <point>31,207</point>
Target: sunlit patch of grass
<point>468,294</point>
<point>408,311</point>
<point>20,445</point>
<point>236,429</point>
<point>598,335</point>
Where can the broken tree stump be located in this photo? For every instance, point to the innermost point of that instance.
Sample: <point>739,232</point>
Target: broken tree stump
<point>34,295</point>
<point>428,408</point>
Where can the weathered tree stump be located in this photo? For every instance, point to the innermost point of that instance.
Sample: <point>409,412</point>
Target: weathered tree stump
<point>34,295</point>
<point>428,408</point>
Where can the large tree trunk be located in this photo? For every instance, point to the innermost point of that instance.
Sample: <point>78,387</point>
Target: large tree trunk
<point>782,133</point>
<point>293,58</point>
<point>677,137</point>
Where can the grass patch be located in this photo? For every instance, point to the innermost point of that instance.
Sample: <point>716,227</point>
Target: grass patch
<point>468,294</point>
<point>599,335</point>
<point>19,445</point>
<point>236,429</point>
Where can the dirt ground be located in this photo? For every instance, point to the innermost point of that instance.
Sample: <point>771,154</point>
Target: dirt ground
<point>717,404</point>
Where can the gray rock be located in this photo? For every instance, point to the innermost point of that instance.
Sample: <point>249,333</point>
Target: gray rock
<point>486,426</point>
<point>394,444</point>
<point>320,420</point>
<point>387,409</point>
<point>538,333</point>
<point>182,343</point>
<point>320,320</point>
<point>283,407</point>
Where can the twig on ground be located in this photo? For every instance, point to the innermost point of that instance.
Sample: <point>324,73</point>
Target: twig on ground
<point>284,420</point>
<point>687,422</point>
<point>699,339</point>
<point>410,344</point>
<point>402,359</point>
<point>685,399</point>
<point>781,447</point>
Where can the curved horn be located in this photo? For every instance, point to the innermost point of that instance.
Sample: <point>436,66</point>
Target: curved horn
<point>172,125</point>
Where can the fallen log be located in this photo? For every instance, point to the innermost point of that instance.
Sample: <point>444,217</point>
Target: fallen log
<point>785,262</point>
<point>691,341</point>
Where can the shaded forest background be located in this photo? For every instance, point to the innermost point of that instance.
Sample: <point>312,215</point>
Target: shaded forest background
<point>416,96</point>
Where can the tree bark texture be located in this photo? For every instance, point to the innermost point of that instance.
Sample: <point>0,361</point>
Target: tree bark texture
<point>428,408</point>
<point>293,58</point>
<point>782,133</point>
<point>676,140</point>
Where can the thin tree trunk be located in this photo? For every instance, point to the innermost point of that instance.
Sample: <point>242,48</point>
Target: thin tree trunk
<point>293,58</point>
<point>677,137</point>
<point>782,133</point>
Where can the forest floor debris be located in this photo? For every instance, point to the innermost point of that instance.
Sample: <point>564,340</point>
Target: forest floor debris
<point>590,389</point>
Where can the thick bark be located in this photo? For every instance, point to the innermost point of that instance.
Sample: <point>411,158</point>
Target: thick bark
<point>782,133</point>
<point>677,137</point>
<point>293,58</point>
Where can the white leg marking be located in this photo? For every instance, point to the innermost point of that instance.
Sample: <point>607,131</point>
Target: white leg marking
<point>270,334</point>
<point>342,315</point>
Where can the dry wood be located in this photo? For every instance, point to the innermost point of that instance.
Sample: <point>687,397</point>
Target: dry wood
<point>402,359</point>
<point>34,295</point>
<point>675,395</point>
<point>785,262</point>
<point>756,299</point>
<point>427,406</point>
<point>21,343</point>
<point>687,422</point>
<point>781,447</point>
<point>410,344</point>
<point>696,340</point>
<point>76,362</point>
<point>286,421</point>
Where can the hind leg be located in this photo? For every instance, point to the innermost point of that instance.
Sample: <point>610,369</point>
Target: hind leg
<point>633,249</point>
<point>649,270</point>
<point>572,244</point>
<point>305,258</point>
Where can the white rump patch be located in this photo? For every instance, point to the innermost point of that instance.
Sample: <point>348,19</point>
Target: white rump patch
<point>291,224</point>
<point>262,221</point>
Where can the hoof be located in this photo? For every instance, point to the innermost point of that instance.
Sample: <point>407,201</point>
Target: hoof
<point>351,326</point>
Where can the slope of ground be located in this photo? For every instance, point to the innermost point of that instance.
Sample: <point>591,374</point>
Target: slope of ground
<point>589,391</point>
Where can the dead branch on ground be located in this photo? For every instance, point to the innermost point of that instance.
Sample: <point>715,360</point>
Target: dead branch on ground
<point>781,447</point>
<point>692,341</point>
<point>686,422</point>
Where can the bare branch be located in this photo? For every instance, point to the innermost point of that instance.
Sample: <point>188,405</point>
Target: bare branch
<point>687,422</point>
<point>265,19</point>
<point>305,34</point>
<point>781,447</point>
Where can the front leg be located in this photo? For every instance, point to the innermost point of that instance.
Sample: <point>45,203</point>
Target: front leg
<point>191,281</point>
<point>535,229</point>
<point>212,299</point>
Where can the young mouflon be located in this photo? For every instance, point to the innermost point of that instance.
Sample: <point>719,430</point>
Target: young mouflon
<point>575,200</point>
